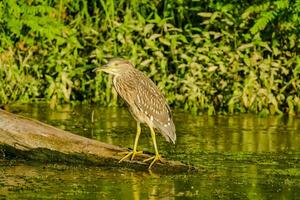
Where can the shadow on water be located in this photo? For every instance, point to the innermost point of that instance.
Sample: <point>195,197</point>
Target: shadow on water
<point>247,157</point>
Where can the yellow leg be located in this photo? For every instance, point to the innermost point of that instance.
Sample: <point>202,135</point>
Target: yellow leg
<point>134,152</point>
<point>157,156</point>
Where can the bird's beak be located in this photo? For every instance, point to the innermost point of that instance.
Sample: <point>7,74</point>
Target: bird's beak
<point>99,69</point>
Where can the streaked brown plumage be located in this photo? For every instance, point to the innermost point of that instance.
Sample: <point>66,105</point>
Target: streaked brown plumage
<point>146,103</point>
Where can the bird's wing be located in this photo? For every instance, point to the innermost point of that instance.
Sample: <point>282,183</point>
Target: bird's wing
<point>151,102</point>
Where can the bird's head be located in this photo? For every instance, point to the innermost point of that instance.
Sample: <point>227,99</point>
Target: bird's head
<point>115,66</point>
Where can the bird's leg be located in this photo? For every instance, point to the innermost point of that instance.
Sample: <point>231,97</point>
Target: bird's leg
<point>134,152</point>
<point>157,155</point>
<point>138,133</point>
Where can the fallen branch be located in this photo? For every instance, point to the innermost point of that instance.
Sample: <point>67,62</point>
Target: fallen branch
<point>34,140</point>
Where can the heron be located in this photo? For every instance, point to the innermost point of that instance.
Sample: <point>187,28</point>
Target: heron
<point>146,104</point>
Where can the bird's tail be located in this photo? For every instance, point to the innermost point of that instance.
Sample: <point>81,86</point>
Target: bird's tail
<point>169,132</point>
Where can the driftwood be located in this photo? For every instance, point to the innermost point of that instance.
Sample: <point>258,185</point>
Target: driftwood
<point>34,140</point>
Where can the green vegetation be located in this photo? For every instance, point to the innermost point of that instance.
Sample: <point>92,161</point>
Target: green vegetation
<point>207,56</point>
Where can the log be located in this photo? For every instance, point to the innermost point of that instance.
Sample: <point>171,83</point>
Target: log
<point>30,139</point>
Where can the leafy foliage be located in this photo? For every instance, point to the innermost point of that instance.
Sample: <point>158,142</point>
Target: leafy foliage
<point>207,56</point>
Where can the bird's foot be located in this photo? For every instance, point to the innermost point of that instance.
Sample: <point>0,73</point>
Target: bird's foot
<point>155,158</point>
<point>130,153</point>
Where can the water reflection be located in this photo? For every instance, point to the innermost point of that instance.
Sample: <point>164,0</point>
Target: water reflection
<point>247,158</point>
<point>241,133</point>
<point>87,183</point>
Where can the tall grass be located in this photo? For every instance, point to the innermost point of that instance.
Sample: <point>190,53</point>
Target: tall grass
<point>206,56</point>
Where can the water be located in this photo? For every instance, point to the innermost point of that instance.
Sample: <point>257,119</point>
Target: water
<point>245,157</point>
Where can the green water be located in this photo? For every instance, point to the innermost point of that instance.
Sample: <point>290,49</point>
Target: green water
<point>245,157</point>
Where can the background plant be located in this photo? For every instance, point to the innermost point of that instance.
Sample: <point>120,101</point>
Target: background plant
<point>207,56</point>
